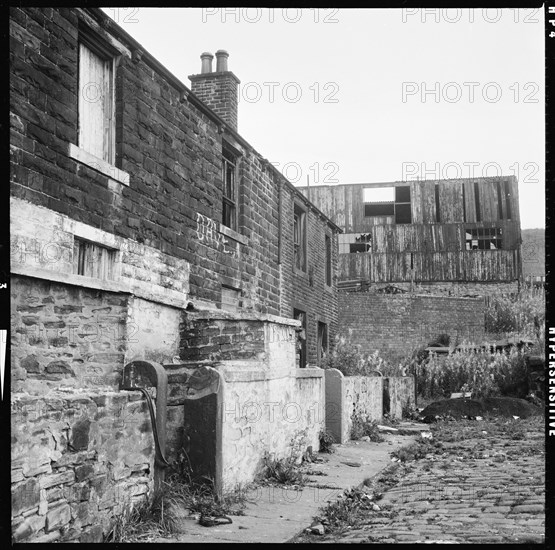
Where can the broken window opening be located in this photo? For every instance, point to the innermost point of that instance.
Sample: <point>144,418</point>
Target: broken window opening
<point>229,199</point>
<point>299,237</point>
<point>363,243</point>
<point>93,260</point>
<point>488,238</point>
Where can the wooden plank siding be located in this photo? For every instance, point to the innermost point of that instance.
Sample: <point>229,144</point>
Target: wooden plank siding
<point>438,249</point>
<point>465,265</point>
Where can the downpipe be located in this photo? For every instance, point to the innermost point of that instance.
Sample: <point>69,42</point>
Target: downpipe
<point>138,376</point>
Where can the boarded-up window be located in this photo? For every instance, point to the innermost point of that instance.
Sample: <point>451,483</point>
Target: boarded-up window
<point>229,176</point>
<point>299,237</point>
<point>231,298</point>
<point>328,260</point>
<point>93,260</point>
<point>96,103</point>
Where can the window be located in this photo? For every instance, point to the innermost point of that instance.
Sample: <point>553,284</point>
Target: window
<point>96,100</point>
<point>350,243</point>
<point>322,341</point>
<point>93,260</point>
<point>489,238</point>
<point>231,298</point>
<point>328,260</point>
<point>388,201</point>
<point>477,201</point>
<point>229,177</point>
<point>300,338</point>
<point>299,237</point>
<point>402,204</point>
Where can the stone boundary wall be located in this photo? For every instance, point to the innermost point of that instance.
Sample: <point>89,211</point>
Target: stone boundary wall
<point>396,324</point>
<point>363,395</point>
<point>78,459</point>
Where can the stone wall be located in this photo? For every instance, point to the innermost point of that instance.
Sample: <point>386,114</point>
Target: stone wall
<point>78,458</point>
<point>397,324</point>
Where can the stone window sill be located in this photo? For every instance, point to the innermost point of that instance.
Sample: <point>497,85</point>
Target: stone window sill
<point>98,164</point>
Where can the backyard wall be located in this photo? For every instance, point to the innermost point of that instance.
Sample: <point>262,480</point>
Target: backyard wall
<point>366,396</point>
<point>397,324</point>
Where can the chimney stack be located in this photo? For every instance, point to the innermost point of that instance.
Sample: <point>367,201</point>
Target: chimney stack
<point>219,90</point>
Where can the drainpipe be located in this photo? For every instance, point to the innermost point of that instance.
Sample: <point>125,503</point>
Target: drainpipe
<point>138,375</point>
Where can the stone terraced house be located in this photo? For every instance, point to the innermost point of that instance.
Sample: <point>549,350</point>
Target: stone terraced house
<point>144,227</point>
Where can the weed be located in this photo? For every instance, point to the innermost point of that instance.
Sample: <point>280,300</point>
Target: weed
<point>362,426</point>
<point>326,441</point>
<point>284,471</point>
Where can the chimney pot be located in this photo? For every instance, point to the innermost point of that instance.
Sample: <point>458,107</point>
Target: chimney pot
<point>221,61</point>
<point>206,58</point>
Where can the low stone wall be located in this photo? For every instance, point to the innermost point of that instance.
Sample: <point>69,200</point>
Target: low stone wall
<point>399,394</point>
<point>78,459</point>
<point>366,396</point>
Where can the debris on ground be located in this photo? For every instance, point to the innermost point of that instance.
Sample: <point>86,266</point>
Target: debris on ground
<point>474,408</point>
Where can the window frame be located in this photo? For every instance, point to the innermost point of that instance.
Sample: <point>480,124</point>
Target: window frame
<point>230,158</point>
<point>83,249</point>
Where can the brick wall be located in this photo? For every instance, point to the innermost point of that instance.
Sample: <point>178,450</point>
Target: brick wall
<point>170,145</point>
<point>396,324</point>
<point>446,288</point>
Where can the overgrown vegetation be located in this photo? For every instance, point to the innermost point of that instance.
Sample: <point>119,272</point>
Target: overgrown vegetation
<point>326,441</point>
<point>483,372</point>
<point>362,427</point>
<point>180,496</point>
<point>523,313</point>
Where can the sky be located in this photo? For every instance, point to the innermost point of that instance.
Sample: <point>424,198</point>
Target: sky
<point>374,95</point>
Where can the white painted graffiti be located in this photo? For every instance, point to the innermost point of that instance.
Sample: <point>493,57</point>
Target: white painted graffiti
<point>208,233</point>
